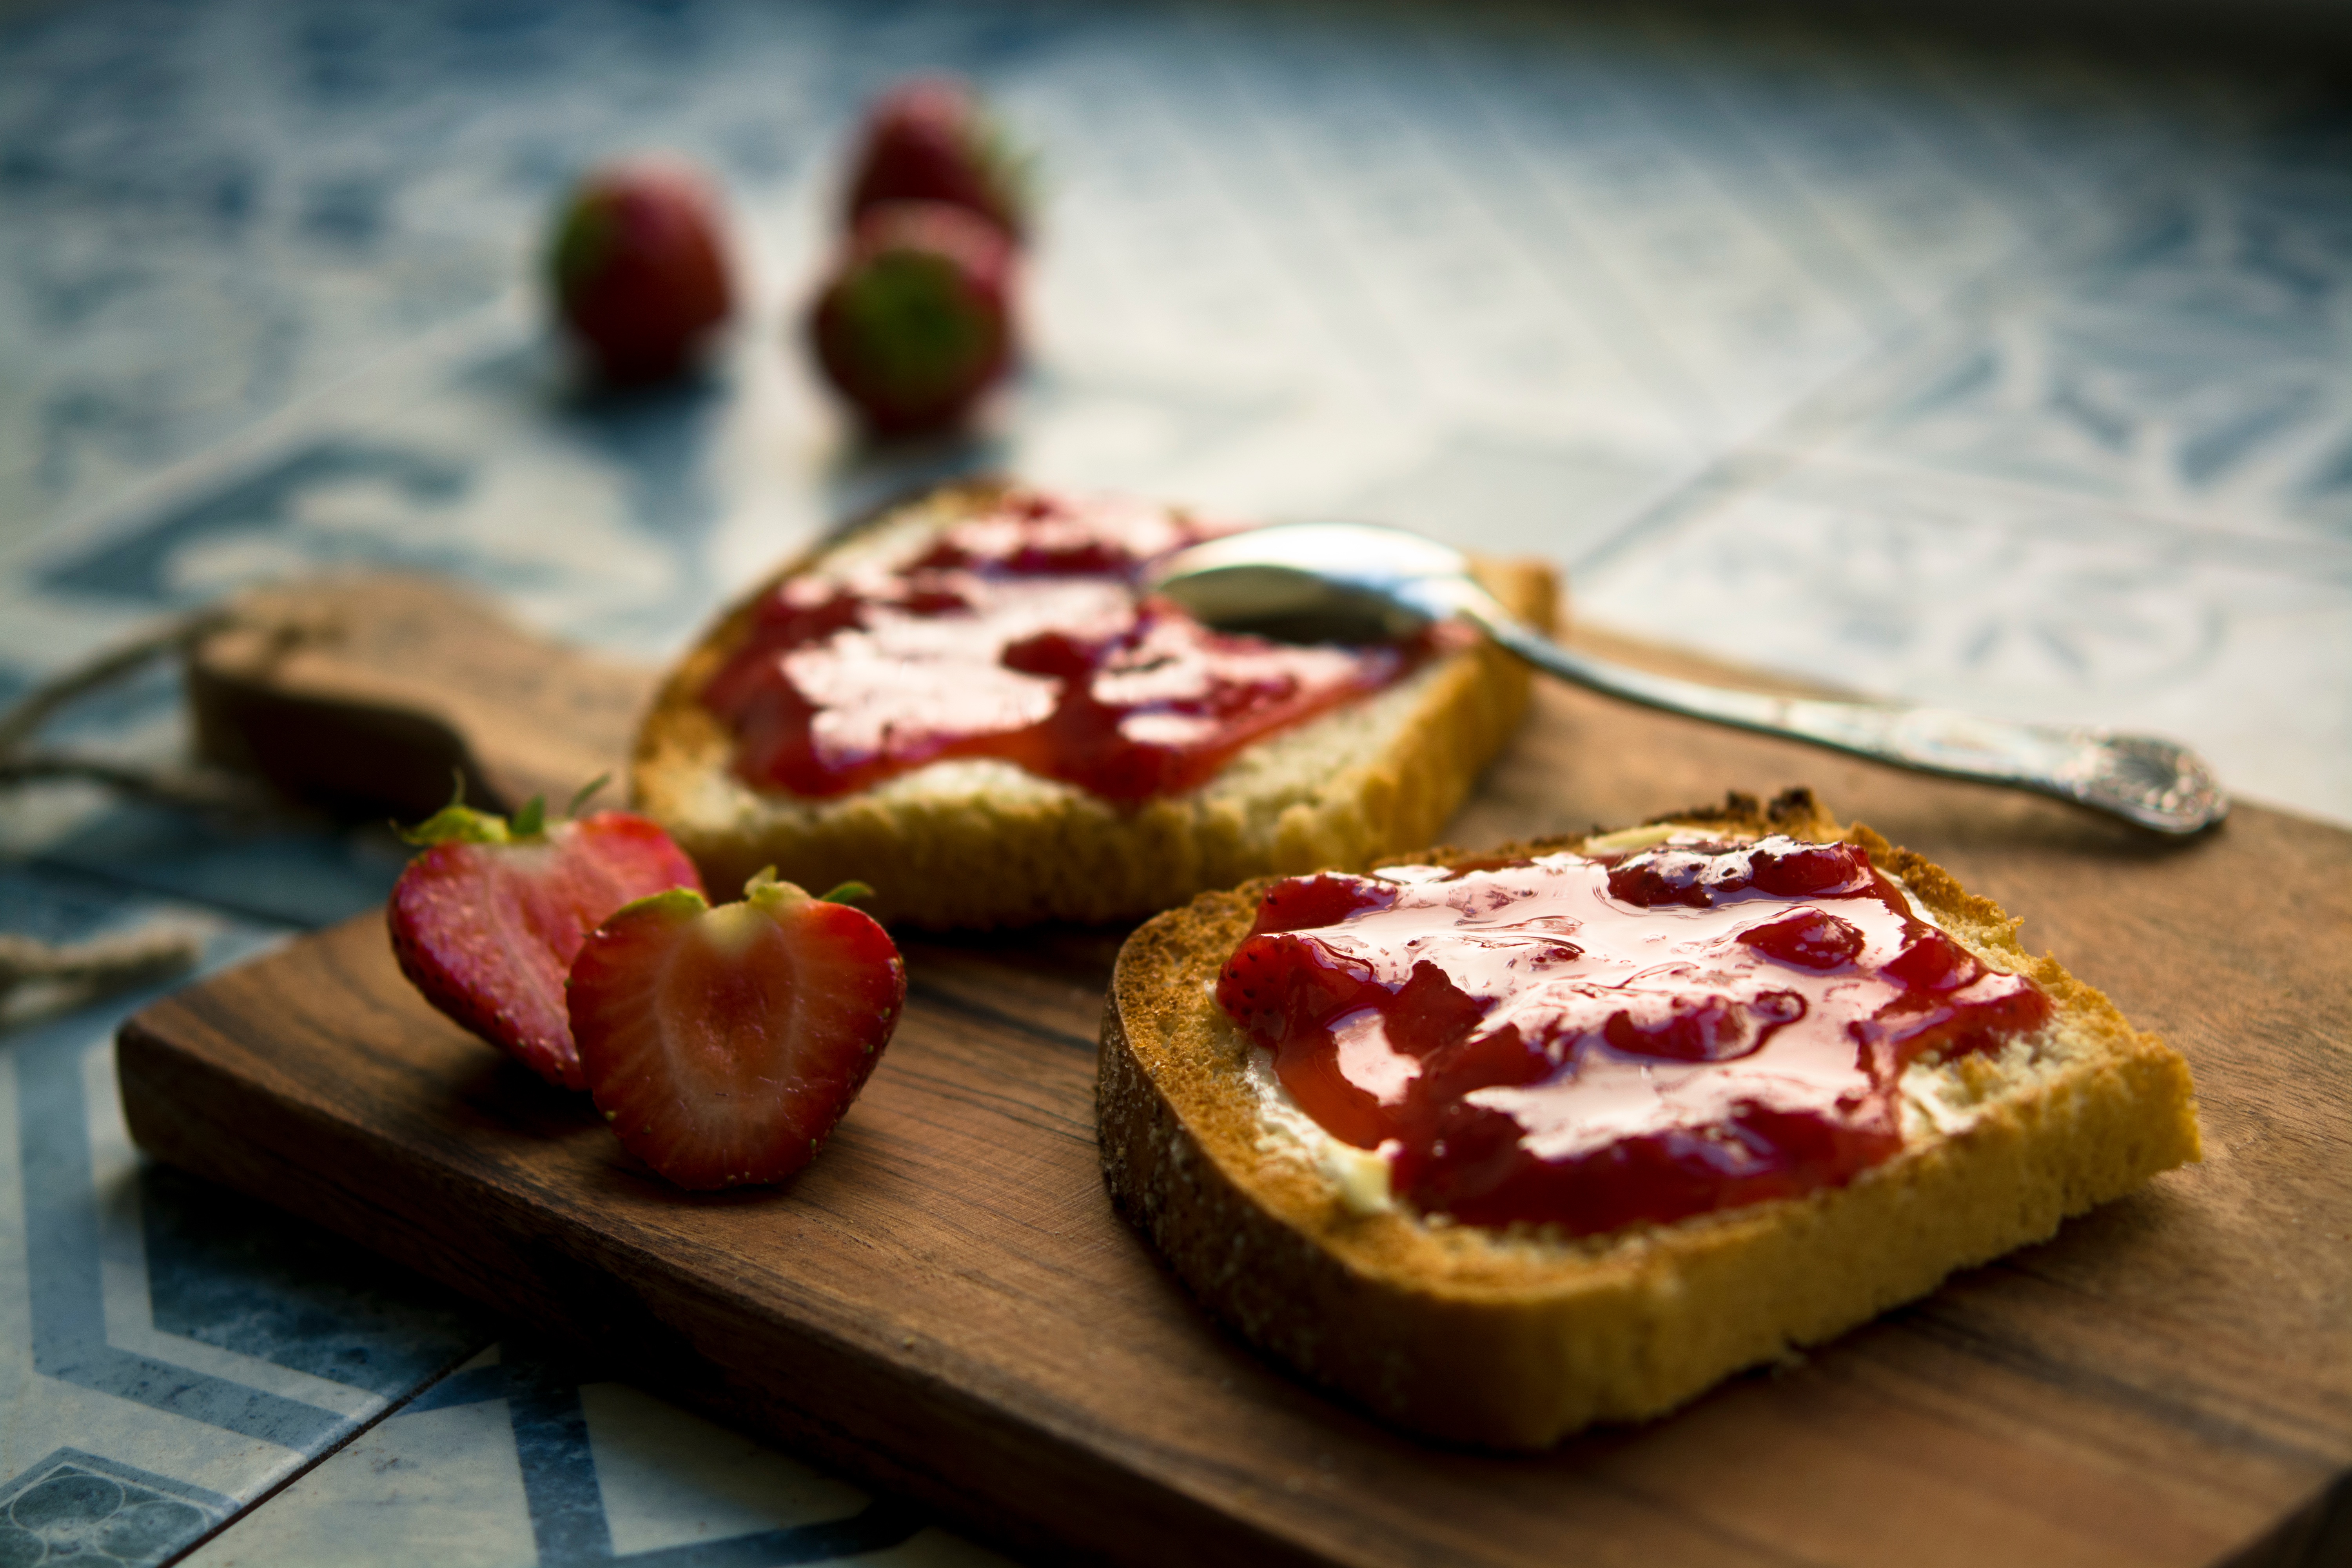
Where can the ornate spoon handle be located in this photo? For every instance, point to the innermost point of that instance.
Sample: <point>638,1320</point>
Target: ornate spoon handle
<point>2154,783</point>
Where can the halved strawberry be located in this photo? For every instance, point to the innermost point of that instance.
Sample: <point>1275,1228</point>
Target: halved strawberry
<point>724,1044</point>
<point>485,921</point>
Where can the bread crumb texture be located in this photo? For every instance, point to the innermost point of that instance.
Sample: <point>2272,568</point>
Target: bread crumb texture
<point>981,843</point>
<point>1516,1338</point>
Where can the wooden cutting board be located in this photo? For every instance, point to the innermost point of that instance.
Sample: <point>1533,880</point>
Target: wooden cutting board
<point>946,1306</point>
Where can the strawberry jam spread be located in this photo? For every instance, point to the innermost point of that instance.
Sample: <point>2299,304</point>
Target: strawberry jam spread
<point>1021,634</point>
<point>1590,1042</point>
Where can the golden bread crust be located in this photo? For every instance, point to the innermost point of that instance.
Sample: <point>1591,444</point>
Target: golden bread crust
<point>981,844</point>
<point>1514,1338</point>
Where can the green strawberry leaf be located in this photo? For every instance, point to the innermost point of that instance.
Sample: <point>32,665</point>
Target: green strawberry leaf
<point>583,243</point>
<point>587,792</point>
<point>1009,168</point>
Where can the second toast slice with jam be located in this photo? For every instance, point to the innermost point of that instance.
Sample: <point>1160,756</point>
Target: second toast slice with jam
<point>1501,1146</point>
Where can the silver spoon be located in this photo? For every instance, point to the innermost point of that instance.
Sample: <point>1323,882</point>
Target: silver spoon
<point>1347,581</point>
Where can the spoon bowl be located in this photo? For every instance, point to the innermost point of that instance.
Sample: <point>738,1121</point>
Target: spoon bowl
<point>1317,582</point>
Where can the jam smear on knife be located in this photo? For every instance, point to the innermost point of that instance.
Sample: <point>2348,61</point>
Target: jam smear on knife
<point>1022,634</point>
<point>1592,1042</point>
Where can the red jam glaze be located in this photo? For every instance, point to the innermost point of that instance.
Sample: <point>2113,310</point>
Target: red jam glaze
<point>1020,635</point>
<point>1593,1042</point>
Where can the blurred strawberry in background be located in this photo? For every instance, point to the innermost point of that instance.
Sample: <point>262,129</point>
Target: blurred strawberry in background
<point>930,139</point>
<point>913,322</point>
<point>638,269</point>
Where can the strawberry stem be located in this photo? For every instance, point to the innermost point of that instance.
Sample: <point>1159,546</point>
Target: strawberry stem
<point>675,901</point>
<point>457,823</point>
<point>771,895</point>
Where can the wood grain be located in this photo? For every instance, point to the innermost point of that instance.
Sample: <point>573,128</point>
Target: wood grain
<point>364,693</point>
<point>946,1306</point>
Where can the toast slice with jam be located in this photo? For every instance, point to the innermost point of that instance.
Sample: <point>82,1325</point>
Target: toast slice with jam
<point>1501,1145</point>
<point>967,704</point>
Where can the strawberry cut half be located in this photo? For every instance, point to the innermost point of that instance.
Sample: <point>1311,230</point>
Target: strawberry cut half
<point>485,923</point>
<point>724,1044</point>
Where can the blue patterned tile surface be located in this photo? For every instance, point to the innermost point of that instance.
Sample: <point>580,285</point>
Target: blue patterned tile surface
<point>168,1353</point>
<point>2007,377</point>
<point>76,1505</point>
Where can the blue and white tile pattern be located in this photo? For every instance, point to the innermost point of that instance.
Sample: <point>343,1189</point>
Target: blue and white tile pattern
<point>2008,378</point>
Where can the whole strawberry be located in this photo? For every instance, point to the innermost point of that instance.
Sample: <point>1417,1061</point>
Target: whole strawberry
<point>485,921</point>
<point>723,1044</point>
<point>915,321</point>
<point>638,270</point>
<point>931,140</point>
